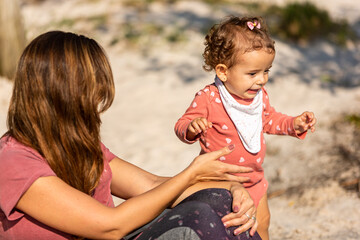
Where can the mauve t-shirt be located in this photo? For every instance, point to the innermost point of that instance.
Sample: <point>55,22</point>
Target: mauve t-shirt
<point>20,166</point>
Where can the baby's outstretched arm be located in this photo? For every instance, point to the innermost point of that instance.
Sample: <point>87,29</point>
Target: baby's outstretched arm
<point>197,126</point>
<point>304,122</point>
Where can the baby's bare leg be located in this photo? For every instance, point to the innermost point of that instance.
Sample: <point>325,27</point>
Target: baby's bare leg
<point>263,218</point>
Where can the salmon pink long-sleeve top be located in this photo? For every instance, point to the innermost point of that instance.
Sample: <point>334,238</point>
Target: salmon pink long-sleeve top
<point>207,103</point>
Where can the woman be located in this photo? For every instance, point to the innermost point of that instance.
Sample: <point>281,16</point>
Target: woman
<point>57,177</point>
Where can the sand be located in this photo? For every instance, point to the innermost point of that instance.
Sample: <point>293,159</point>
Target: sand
<point>156,80</point>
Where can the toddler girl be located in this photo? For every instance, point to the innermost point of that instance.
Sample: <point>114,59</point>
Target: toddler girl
<point>236,109</point>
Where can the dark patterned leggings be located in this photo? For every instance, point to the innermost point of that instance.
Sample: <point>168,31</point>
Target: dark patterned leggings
<point>198,217</point>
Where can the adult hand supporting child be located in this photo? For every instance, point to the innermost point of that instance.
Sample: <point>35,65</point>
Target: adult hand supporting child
<point>243,208</point>
<point>220,171</point>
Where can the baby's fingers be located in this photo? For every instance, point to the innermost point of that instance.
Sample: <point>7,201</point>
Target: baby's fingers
<point>195,127</point>
<point>199,125</point>
<point>312,124</point>
<point>310,121</point>
<point>309,117</point>
<point>204,124</point>
<point>192,129</point>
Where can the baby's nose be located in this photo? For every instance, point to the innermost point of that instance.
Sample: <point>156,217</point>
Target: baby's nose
<point>262,80</point>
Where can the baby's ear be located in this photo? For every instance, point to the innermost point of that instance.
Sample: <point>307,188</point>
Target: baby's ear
<point>221,72</point>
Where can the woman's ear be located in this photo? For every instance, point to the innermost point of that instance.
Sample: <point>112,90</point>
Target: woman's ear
<point>221,72</point>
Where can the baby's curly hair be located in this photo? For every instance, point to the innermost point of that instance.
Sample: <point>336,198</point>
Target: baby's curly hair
<point>233,36</point>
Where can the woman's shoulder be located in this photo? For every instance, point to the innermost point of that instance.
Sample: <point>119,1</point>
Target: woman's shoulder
<point>17,160</point>
<point>108,155</point>
<point>20,166</point>
<point>10,146</point>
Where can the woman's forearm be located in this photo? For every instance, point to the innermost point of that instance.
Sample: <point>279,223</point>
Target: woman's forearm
<point>146,205</point>
<point>49,200</point>
<point>144,180</point>
<point>143,208</point>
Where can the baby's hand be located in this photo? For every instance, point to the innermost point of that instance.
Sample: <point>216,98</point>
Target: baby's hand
<point>304,122</point>
<point>197,126</point>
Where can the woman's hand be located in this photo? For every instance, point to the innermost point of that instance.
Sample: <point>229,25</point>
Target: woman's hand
<point>207,167</point>
<point>244,211</point>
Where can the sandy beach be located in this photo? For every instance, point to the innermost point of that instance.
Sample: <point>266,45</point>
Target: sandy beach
<point>314,193</point>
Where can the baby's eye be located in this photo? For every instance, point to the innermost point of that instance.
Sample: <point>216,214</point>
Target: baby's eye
<point>267,71</point>
<point>252,73</point>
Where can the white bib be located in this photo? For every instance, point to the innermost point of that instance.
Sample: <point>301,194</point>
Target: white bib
<point>246,118</point>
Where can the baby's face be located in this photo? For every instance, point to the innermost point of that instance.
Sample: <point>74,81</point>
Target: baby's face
<point>249,74</point>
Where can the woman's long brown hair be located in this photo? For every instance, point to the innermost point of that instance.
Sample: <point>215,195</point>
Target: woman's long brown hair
<point>62,84</point>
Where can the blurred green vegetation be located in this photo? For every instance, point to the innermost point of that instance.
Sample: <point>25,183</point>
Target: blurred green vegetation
<point>353,119</point>
<point>295,22</point>
<point>134,34</point>
<point>299,22</point>
<point>146,2</point>
<point>98,21</point>
<point>304,22</point>
<point>327,78</point>
<point>66,22</point>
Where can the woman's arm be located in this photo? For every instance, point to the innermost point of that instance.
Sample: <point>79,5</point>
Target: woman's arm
<point>129,180</point>
<point>145,181</point>
<point>126,174</point>
<point>56,204</point>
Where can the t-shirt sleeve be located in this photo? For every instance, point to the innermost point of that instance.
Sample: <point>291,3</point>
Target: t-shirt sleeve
<point>108,156</point>
<point>19,169</point>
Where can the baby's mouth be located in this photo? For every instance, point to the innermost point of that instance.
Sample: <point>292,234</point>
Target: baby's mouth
<point>252,91</point>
